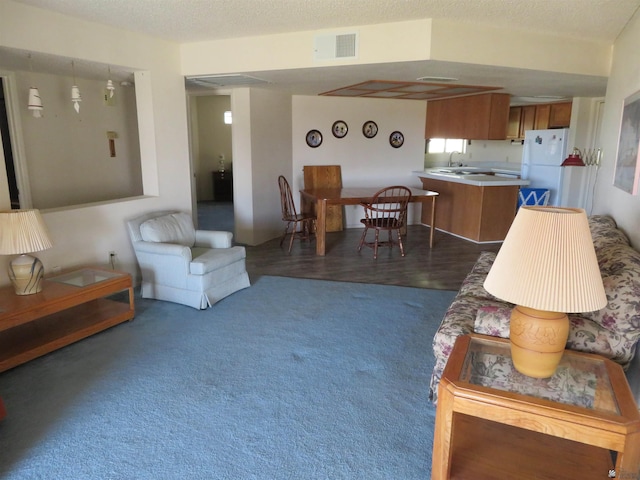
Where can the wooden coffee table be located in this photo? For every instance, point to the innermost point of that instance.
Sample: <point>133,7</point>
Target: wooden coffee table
<point>493,422</point>
<point>71,306</point>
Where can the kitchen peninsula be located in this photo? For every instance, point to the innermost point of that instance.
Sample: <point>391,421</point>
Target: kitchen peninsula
<point>475,204</point>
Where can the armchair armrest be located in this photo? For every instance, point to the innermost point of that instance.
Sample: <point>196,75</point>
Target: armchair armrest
<point>213,239</point>
<point>163,249</point>
<point>167,263</point>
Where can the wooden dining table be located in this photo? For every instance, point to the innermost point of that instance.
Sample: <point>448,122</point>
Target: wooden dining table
<point>321,197</point>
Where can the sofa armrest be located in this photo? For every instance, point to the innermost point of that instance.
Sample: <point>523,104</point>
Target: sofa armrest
<point>493,320</point>
<point>213,239</point>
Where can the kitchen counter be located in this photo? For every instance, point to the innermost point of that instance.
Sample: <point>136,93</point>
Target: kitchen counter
<point>473,176</point>
<point>475,204</point>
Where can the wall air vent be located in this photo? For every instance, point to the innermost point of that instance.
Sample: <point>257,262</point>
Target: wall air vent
<point>336,46</point>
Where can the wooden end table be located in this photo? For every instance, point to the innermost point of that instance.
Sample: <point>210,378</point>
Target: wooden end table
<point>492,422</point>
<point>70,307</point>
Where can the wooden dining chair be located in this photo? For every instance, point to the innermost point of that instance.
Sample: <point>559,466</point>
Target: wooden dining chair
<point>292,217</point>
<point>386,212</point>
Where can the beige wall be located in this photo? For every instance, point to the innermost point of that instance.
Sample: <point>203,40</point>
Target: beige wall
<point>364,161</point>
<point>67,153</point>
<point>85,235</point>
<point>426,39</point>
<point>624,81</point>
<point>391,42</point>
<point>262,151</point>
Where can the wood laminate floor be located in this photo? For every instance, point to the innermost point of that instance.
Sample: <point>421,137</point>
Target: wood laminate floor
<point>444,267</point>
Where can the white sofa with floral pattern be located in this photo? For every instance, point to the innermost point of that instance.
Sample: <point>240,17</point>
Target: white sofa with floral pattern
<point>612,332</point>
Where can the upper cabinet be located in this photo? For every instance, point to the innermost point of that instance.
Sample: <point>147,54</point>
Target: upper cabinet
<point>476,117</point>
<point>560,115</point>
<point>538,117</point>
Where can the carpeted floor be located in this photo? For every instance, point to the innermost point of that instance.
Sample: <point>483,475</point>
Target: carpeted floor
<point>216,216</point>
<point>289,379</point>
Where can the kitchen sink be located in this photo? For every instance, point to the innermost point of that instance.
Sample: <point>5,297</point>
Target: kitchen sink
<point>462,171</point>
<point>470,172</point>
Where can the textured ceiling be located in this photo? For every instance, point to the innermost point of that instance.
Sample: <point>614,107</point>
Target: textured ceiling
<point>196,20</point>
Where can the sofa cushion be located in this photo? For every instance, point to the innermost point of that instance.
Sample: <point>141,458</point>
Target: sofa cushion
<point>605,233</point>
<point>584,335</point>
<point>172,228</point>
<point>472,285</point>
<point>620,269</point>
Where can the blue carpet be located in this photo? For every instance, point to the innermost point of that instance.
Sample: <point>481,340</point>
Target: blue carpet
<point>289,379</point>
<point>216,216</point>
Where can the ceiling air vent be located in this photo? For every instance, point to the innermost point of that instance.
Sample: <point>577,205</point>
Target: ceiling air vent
<point>336,46</point>
<point>225,80</point>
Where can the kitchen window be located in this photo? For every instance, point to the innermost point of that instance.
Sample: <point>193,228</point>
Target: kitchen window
<point>446,145</point>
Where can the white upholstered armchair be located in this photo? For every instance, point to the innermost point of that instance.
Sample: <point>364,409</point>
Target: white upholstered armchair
<point>183,265</point>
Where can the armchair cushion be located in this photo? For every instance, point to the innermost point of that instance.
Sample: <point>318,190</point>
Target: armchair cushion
<point>171,228</point>
<point>214,259</point>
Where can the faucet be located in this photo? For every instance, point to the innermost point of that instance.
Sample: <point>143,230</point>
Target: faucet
<point>450,157</point>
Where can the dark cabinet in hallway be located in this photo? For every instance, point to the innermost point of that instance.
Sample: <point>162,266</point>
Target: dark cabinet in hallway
<point>222,186</point>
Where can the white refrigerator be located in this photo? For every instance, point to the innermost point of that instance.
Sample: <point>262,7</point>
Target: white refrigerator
<point>542,156</point>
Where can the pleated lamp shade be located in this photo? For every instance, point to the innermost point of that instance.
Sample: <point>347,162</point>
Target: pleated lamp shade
<point>23,231</point>
<point>548,262</point>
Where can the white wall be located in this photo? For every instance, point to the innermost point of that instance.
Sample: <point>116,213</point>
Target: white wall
<point>85,235</point>
<point>623,82</point>
<point>364,162</point>
<point>261,152</point>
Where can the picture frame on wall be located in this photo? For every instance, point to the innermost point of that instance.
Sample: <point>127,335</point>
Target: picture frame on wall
<point>627,173</point>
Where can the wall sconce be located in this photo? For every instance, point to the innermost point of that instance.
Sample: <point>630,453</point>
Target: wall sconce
<point>35,102</point>
<point>75,91</point>
<point>574,159</point>
<point>110,87</point>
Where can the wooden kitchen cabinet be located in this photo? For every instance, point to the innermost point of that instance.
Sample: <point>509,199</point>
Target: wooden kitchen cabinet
<point>537,117</point>
<point>513,130</point>
<point>476,117</point>
<point>445,119</point>
<point>542,117</point>
<point>527,120</point>
<point>560,115</point>
<point>476,213</point>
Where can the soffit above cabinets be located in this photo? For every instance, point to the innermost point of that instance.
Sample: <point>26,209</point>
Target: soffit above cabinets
<point>407,90</point>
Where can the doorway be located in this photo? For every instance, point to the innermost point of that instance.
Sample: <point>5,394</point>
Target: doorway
<point>7,150</point>
<point>211,148</point>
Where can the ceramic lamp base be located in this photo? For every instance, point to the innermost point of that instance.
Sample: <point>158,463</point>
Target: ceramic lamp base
<point>26,274</point>
<point>538,340</point>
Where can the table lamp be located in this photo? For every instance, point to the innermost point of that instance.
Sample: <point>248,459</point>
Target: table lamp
<point>547,267</point>
<point>22,232</point>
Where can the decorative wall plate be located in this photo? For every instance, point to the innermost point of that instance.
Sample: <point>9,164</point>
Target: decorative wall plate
<point>396,139</point>
<point>370,129</point>
<point>314,138</point>
<point>339,129</point>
